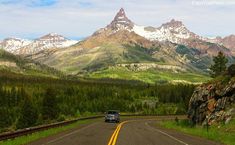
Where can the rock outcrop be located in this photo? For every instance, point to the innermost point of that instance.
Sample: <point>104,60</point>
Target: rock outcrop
<point>212,102</point>
<point>146,66</point>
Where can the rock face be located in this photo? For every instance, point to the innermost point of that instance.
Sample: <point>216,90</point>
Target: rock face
<point>212,103</point>
<point>121,21</point>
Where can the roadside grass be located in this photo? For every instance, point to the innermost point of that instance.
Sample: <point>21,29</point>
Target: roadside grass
<point>41,134</point>
<point>150,76</point>
<point>220,133</point>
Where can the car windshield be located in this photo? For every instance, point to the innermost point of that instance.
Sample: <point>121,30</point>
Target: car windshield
<point>112,112</point>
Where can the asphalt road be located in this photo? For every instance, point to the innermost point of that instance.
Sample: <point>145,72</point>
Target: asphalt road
<point>133,131</point>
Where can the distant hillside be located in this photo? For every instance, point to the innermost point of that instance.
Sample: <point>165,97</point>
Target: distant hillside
<point>16,64</point>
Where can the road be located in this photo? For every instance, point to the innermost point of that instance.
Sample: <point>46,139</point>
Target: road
<point>134,131</point>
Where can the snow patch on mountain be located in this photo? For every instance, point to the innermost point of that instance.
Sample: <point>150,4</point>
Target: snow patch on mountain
<point>173,31</point>
<point>25,47</point>
<point>12,44</point>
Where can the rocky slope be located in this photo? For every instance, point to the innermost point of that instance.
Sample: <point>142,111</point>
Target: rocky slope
<point>213,102</point>
<point>228,42</point>
<point>28,47</point>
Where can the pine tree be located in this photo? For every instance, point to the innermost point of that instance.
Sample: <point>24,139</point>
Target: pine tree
<point>28,113</point>
<point>5,119</point>
<point>49,105</point>
<point>219,66</point>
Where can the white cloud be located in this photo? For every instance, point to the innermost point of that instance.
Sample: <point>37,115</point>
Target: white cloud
<point>79,18</point>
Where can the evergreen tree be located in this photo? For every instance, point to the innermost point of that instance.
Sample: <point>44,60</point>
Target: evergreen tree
<point>49,105</point>
<point>219,65</point>
<point>28,113</point>
<point>5,119</point>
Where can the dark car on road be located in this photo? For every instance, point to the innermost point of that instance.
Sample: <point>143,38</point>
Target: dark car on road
<point>112,116</point>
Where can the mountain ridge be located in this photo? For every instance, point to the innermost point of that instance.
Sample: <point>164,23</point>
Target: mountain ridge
<point>20,46</point>
<point>173,31</point>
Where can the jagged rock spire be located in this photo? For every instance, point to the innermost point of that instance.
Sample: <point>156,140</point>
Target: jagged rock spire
<point>121,21</point>
<point>121,14</point>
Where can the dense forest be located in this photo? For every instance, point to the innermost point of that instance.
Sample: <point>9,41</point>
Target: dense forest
<point>28,101</point>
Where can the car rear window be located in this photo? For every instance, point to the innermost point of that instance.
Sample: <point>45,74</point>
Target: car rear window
<point>112,112</point>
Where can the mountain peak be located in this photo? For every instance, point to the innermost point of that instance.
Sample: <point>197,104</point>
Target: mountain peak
<point>173,23</point>
<point>52,36</point>
<point>12,44</point>
<point>121,21</point>
<point>121,13</point>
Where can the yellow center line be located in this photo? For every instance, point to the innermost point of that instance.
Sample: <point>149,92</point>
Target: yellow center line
<point>114,136</point>
<point>111,140</point>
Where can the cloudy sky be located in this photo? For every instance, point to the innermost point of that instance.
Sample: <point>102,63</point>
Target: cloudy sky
<point>77,19</point>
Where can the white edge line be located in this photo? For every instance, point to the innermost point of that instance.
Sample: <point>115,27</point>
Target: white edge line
<point>167,134</point>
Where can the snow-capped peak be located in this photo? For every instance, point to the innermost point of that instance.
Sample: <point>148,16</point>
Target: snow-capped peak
<point>51,40</point>
<point>52,37</point>
<point>173,31</point>
<point>12,44</point>
<point>25,47</point>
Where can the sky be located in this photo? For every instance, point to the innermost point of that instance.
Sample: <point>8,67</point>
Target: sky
<point>77,19</point>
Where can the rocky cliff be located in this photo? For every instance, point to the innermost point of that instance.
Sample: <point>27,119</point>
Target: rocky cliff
<point>213,102</point>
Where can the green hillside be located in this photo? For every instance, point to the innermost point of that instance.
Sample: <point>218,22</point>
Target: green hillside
<point>150,76</point>
<point>10,63</point>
